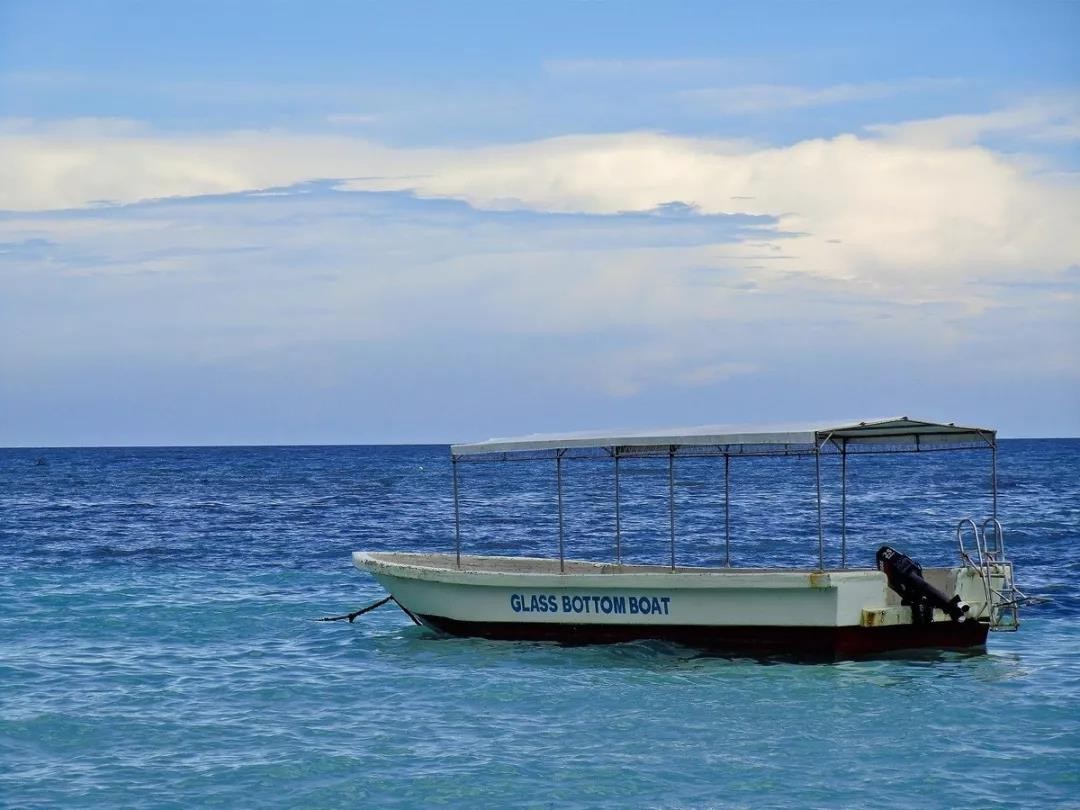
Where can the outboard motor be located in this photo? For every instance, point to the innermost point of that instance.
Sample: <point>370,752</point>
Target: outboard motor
<point>905,577</point>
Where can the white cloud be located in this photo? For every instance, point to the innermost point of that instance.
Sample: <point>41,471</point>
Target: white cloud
<point>905,215</point>
<point>762,98</point>
<point>894,213</point>
<point>648,68</point>
<point>277,306</point>
<point>1050,119</point>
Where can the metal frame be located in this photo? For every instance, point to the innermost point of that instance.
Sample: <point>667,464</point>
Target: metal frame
<point>712,451</point>
<point>457,515</point>
<point>558,486</point>
<point>618,519</point>
<point>727,511</point>
<point>993,479</point>
<point>843,504</point>
<point>825,443</point>
<point>820,524</point>
<point>671,501</point>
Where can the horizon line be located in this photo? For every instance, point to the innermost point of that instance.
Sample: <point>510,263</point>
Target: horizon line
<point>334,444</point>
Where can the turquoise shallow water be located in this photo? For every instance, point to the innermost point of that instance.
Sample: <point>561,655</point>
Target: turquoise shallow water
<point>158,650</point>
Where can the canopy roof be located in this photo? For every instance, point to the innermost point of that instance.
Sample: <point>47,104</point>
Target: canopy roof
<point>897,430</point>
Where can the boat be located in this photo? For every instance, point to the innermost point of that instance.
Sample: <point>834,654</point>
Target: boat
<point>818,611</point>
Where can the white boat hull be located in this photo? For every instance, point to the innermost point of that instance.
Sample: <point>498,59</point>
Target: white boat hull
<point>833,613</point>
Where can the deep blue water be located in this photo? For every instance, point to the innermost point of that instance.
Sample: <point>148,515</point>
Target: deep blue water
<point>157,648</point>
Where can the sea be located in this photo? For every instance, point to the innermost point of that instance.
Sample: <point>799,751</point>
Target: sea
<point>159,645</point>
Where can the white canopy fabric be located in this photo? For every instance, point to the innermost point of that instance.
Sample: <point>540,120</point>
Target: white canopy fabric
<point>900,429</point>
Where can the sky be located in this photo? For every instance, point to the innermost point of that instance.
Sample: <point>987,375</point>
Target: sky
<point>328,223</point>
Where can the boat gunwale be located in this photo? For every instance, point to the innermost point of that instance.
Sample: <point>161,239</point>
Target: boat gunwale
<point>432,565</point>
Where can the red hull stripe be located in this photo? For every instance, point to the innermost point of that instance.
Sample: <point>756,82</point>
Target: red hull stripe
<point>830,642</point>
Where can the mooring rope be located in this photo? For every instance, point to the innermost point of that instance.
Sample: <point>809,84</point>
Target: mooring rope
<point>352,616</point>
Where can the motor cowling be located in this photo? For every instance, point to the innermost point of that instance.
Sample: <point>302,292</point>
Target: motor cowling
<point>905,577</point>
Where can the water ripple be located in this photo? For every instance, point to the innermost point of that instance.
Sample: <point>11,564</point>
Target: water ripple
<point>158,646</point>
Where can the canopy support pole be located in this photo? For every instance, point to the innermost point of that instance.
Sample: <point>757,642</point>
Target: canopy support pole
<point>457,514</point>
<point>727,511</point>
<point>618,518</point>
<point>820,531</point>
<point>558,487</point>
<point>671,500</point>
<point>843,504</point>
<point>993,477</point>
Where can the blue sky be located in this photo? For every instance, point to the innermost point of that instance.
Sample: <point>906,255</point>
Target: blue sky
<point>273,223</point>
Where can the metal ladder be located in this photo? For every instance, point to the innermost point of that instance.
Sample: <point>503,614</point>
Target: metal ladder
<point>1002,602</point>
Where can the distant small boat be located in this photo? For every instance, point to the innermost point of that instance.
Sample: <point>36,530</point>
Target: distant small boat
<point>819,612</point>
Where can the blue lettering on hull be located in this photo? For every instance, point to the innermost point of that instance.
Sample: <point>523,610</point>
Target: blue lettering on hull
<point>591,605</point>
